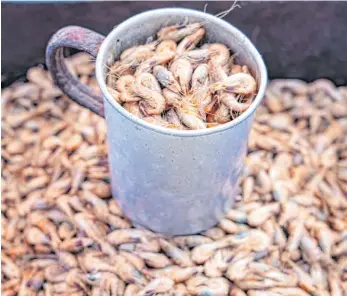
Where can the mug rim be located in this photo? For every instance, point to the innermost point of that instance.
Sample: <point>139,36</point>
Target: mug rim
<point>263,77</point>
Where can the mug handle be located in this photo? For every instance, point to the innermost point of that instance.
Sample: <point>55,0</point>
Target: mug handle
<point>82,39</point>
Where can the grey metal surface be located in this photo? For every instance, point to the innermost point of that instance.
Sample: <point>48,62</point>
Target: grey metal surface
<point>171,181</point>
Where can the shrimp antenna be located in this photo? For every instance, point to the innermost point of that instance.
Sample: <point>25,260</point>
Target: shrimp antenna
<point>224,13</point>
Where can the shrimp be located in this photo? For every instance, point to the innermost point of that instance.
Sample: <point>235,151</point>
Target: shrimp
<point>173,119</point>
<point>240,83</point>
<point>94,261</point>
<point>222,114</point>
<point>66,259</point>
<point>146,86</point>
<point>115,94</point>
<point>55,273</point>
<point>201,253</point>
<point>125,87</point>
<point>159,285</point>
<point>131,290</point>
<point>219,53</point>
<point>218,263</point>
<point>166,78</point>
<point>133,108</point>
<point>153,259</point>
<point>75,244</point>
<point>200,77</point>
<point>216,53</point>
<point>165,46</point>
<point>205,286</point>
<point>134,259</point>
<point>217,72</point>
<point>190,119</point>
<point>182,71</point>
<point>111,285</point>
<point>174,272</point>
<point>177,32</point>
<point>34,236</point>
<point>118,69</point>
<point>178,255</point>
<point>199,88</point>
<point>158,59</point>
<point>232,103</point>
<point>172,98</point>
<point>191,241</point>
<point>121,236</point>
<point>138,52</point>
<point>189,42</point>
<point>231,227</point>
<point>258,216</point>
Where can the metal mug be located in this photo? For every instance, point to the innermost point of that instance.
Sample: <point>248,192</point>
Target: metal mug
<point>170,181</point>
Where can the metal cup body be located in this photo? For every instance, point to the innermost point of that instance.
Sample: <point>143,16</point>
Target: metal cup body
<point>170,181</point>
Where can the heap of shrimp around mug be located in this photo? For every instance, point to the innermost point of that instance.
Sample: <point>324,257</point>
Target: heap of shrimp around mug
<point>180,82</point>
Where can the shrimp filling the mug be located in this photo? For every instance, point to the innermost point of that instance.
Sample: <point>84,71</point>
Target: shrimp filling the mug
<point>180,82</point>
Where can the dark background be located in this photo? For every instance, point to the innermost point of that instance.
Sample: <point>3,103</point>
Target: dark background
<point>304,40</point>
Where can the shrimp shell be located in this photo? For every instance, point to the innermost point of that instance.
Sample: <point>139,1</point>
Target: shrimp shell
<point>222,114</point>
<point>240,83</point>
<point>166,78</point>
<point>125,87</point>
<point>165,46</point>
<point>189,42</point>
<point>177,32</point>
<point>146,86</point>
<point>133,108</point>
<point>182,71</point>
<point>178,255</point>
<point>138,52</point>
<point>200,78</point>
<point>172,98</point>
<point>158,59</point>
<point>190,119</point>
<point>219,53</point>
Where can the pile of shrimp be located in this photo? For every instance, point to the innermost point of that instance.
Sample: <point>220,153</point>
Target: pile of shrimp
<point>63,234</point>
<point>173,83</point>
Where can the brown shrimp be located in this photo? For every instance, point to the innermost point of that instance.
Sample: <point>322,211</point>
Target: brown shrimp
<point>172,98</point>
<point>189,42</point>
<point>166,78</point>
<point>190,119</point>
<point>182,71</point>
<point>174,272</point>
<point>138,52</point>
<point>121,236</point>
<point>158,59</point>
<point>177,32</point>
<point>215,287</point>
<point>146,86</point>
<point>222,114</point>
<point>125,87</point>
<point>216,52</point>
<point>172,118</point>
<point>179,256</point>
<point>154,260</point>
<point>159,285</point>
<point>165,46</point>
<point>229,100</point>
<point>133,108</point>
<point>240,83</point>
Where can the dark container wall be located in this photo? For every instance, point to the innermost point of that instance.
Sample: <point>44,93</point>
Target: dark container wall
<point>304,40</point>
